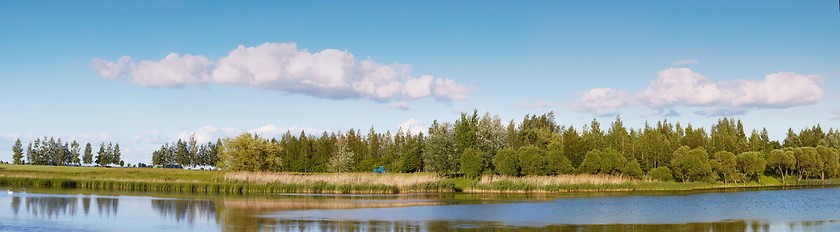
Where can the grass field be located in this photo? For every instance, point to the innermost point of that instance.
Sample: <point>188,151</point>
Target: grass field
<point>194,181</point>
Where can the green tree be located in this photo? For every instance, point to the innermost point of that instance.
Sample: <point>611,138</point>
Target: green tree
<point>591,162</point>
<point>471,163</point>
<point>558,163</point>
<point>694,165</point>
<point>611,161</point>
<point>506,162</point>
<point>101,155</point>
<point>752,164</point>
<point>74,153</point>
<point>342,159</point>
<point>490,137</point>
<point>782,162</point>
<point>831,161</point>
<point>441,154</point>
<point>88,156</point>
<point>633,169</point>
<point>531,160</point>
<point>116,158</point>
<point>661,174</point>
<point>808,162</point>
<point>726,164</point>
<point>17,152</point>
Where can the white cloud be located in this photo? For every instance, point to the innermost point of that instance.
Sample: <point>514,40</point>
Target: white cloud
<point>111,70</point>
<point>412,126</point>
<point>174,70</point>
<point>676,87</point>
<point>684,62</point>
<point>601,101</point>
<point>539,103</point>
<point>282,67</point>
<point>209,133</point>
<point>268,131</point>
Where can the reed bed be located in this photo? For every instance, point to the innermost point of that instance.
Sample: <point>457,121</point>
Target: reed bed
<point>396,179</point>
<point>546,184</point>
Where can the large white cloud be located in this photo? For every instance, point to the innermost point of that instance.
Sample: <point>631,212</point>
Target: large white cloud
<point>283,67</point>
<point>682,87</point>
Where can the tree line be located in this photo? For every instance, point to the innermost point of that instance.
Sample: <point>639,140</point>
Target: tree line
<point>474,145</point>
<point>53,152</point>
<point>187,154</point>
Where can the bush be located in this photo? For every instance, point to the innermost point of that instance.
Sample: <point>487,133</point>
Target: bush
<point>471,164</point>
<point>661,174</point>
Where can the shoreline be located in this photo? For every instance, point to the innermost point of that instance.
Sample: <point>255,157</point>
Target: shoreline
<point>191,181</point>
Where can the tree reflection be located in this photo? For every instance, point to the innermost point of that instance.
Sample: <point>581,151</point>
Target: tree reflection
<point>50,207</point>
<point>187,210</point>
<point>107,206</point>
<point>15,204</point>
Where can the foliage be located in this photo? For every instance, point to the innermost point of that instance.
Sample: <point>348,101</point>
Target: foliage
<point>506,162</point>
<point>342,159</point>
<point>692,166</point>
<point>532,161</point>
<point>633,169</point>
<point>17,152</point>
<point>751,164</point>
<point>726,164</point>
<point>591,162</point>
<point>471,163</point>
<point>661,173</point>
<point>782,162</point>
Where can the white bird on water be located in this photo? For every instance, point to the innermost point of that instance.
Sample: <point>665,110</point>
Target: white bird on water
<point>10,192</point>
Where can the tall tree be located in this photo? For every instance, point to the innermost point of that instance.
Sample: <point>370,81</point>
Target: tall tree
<point>88,156</point>
<point>342,158</point>
<point>441,154</point>
<point>471,164</point>
<point>116,159</point>
<point>17,152</point>
<point>74,152</point>
<point>101,155</point>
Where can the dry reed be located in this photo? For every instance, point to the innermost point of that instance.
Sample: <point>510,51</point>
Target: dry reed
<point>558,180</point>
<point>391,179</point>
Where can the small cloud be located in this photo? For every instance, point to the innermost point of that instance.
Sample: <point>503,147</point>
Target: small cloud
<point>152,136</point>
<point>209,133</point>
<point>401,105</point>
<point>601,101</point>
<point>539,103</point>
<point>412,126</point>
<point>684,62</point>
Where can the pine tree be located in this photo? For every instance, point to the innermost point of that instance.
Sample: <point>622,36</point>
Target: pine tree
<point>88,156</point>
<point>17,152</point>
<point>116,159</point>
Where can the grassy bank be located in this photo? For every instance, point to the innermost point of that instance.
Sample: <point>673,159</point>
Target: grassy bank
<point>606,183</point>
<point>176,180</point>
<point>187,181</point>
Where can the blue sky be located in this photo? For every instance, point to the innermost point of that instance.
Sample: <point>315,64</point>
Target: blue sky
<point>221,68</point>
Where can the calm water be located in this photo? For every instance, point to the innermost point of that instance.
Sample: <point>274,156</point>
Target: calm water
<point>813,209</point>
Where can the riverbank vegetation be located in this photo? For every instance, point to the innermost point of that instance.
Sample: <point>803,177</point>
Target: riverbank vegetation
<point>478,148</point>
<point>194,181</point>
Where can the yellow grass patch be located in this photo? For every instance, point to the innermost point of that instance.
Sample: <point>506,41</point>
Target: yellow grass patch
<point>558,180</point>
<point>393,179</point>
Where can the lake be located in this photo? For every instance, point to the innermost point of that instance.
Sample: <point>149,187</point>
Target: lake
<point>809,209</point>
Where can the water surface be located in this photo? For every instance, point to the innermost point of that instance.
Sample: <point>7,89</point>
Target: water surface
<point>812,209</point>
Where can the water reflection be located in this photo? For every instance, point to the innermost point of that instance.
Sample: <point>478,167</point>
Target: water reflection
<point>107,206</point>
<point>185,210</point>
<point>421,212</point>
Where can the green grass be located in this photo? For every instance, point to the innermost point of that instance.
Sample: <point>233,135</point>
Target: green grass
<point>192,181</point>
<point>189,181</point>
